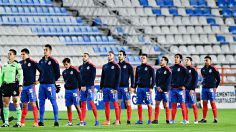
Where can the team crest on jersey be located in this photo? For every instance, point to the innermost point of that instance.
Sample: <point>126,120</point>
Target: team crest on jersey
<point>88,68</point>
<point>49,63</point>
<point>14,93</point>
<point>165,72</point>
<point>189,71</point>
<point>71,72</point>
<point>178,69</point>
<point>124,66</point>
<point>112,67</point>
<point>146,68</point>
<point>29,64</point>
<point>210,71</point>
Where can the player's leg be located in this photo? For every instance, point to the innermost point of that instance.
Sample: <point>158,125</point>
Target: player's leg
<point>193,101</point>
<point>120,97</point>
<point>51,95</point>
<point>83,103</point>
<point>174,99</point>
<point>33,99</point>
<point>212,96</point>
<point>90,99</point>
<point>205,104</point>
<point>114,99</point>
<point>165,97</point>
<point>76,101</point>
<point>127,98</point>
<point>181,99</point>
<point>106,100</point>
<point>24,100</point>
<point>140,98</point>
<point>42,96</point>
<point>157,111</point>
<point>16,101</point>
<point>187,101</point>
<point>148,100</point>
<point>6,102</point>
<point>1,107</point>
<point>69,115</point>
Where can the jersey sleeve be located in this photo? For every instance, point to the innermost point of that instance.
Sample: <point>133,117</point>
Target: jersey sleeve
<point>132,76</point>
<point>168,80</point>
<point>102,78</point>
<point>56,69</point>
<point>19,74</point>
<point>93,74</point>
<point>217,77</point>
<point>152,74</point>
<point>1,77</point>
<point>188,77</point>
<point>136,78</point>
<point>194,79</point>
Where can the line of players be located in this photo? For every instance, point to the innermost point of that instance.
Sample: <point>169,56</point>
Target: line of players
<point>175,84</point>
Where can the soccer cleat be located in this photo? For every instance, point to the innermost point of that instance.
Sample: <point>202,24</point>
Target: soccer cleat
<point>10,118</point>
<point>106,123</point>
<point>85,123</point>
<point>96,123</point>
<point>184,122</point>
<point>35,124</point>
<point>215,121</point>
<point>117,123</point>
<point>22,124</point>
<point>69,124</point>
<point>40,124</point>
<point>17,125</point>
<point>81,123</point>
<point>203,121</point>
<point>155,122</point>
<point>128,122</point>
<point>5,125</point>
<point>195,122</point>
<point>139,122</point>
<point>172,122</point>
<point>149,122</point>
<point>167,122</point>
<point>56,124</point>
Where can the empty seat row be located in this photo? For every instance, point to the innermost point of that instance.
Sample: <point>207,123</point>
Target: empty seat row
<point>226,3</point>
<point>88,40</point>
<point>82,30</point>
<point>47,11</point>
<point>13,30</point>
<point>10,20</point>
<point>27,2</point>
<point>115,49</point>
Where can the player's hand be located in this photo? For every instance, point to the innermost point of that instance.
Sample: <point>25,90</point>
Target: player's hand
<point>150,90</point>
<point>83,89</point>
<point>183,88</point>
<point>58,88</point>
<point>215,90</point>
<point>100,90</point>
<point>131,90</point>
<point>36,82</point>
<point>191,92</point>
<point>20,89</point>
<point>114,91</point>
<point>159,89</point>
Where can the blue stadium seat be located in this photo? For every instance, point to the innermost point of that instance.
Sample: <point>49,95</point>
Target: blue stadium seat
<point>234,12</point>
<point>232,29</point>
<point>231,3</point>
<point>160,3</point>
<point>234,37</point>
<point>96,49</point>
<point>74,39</point>
<point>99,39</point>
<point>144,3</point>
<point>111,39</point>
<point>93,39</point>
<point>226,13</point>
<point>157,12</point>
<point>221,39</point>
<point>105,39</point>
<point>168,3</point>
<point>206,12</point>
<point>86,39</point>
<point>211,21</point>
<point>157,49</point>
<point>222,3</point>
<point>173,11</point>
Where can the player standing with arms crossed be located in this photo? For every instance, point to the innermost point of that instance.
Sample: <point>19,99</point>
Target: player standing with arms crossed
<point>110,81</point>
<point>211,80</point>
<point>144,82</point>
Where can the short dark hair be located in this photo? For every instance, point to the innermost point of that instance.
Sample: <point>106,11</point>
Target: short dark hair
<point>165,58</point>
<point>180,56</point>
<point>111,52</point>
<point>66,60</point>
<point>123,52</point>
<point>14,51</point>
<point>207,57</point>
<point>144,55</point>
<point>86,53</point>
<point>48,46</point>
<point>190,58</point>
<point>25,50</point>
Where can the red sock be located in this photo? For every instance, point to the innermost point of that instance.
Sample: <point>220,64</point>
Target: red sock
<point>35,113</point>
<point>195,111</point>
<point>24,113</point>
<point>205,109</point>
<point>157,110</point>
<point>149,113</point>
<point>95,113</point>
<point>186,110</point>
<point>167,113</point>
<point>183,107</point>
<point>83,109</point>
<point>140,112</point>
<point>107,111</point>
<point>69,114</point>
<point>80,115</point>
<point>174,110</point>
<point>214,109</point>
<point>117,110</point>
<point>129,111</point>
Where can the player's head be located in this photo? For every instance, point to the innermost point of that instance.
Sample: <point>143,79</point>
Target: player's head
<point>164,61</point>
<point>110,56</point>
<point>25,53</point>
<point>207,60</point>
<point>86,57</point>
<point>47,50</point>
<point>122,55</point>
<point>11,54</point>
<point>66,63</point>
<point>144,58</point>
<point>178,58</point>
<point>188,61</point>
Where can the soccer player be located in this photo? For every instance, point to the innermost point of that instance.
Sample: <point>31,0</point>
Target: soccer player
<point>110,81</point>
<point>163,78</point>
<point>211,80</point>
<point>179,81</point>
<point>49,74</point>
<point>190,90</point>
<point>88,75</point>
<point>11,80</point>
<point>72,78</point>
<point>29,67</point>
<point>144,82</point>
<point>127,73</point>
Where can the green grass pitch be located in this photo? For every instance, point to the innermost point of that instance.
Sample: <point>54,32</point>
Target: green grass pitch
<point>226,123</point>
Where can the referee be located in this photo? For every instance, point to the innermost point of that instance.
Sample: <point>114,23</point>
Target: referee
<point>11,80</point>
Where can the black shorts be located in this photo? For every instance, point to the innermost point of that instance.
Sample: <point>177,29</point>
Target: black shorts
<point>11,89</point>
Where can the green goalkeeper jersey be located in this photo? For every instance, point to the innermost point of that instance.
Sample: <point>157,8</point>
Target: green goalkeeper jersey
<point>11,73</point>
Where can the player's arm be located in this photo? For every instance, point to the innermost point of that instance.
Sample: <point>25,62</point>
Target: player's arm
<point>78,76</point>
<point>131,72</point>
<point>20,74</point>
<point>136,78</point>
<point>93,74</point>
<point>188,77</point>
<point>56,69</point>
<point>118,76</point>
<point>217,77</point>
<point>1,77</point>
<point>194,79</point>
<point>152,74</point>
<point>168,79</point>
<point>102,79</point>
